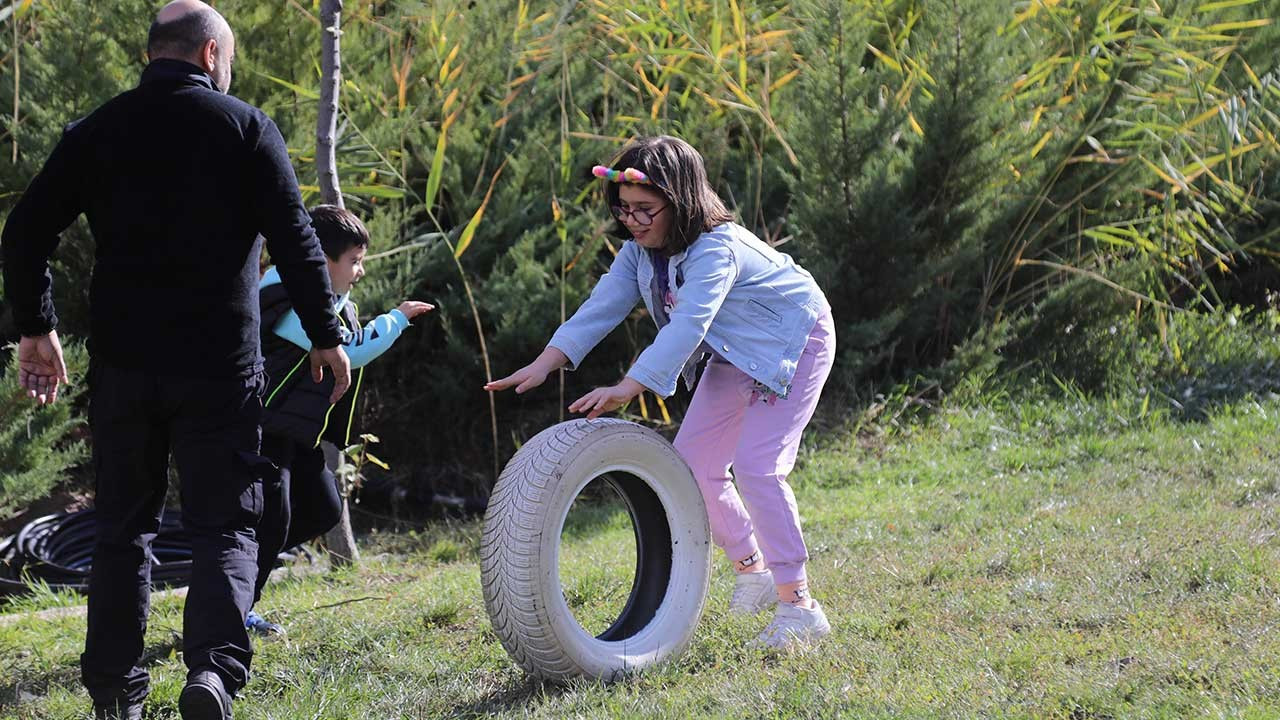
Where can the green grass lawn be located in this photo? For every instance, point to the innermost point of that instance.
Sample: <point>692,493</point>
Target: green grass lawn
<point>1043,559</point>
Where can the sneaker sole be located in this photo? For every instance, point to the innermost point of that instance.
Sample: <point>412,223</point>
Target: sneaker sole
<point>198,702</point>
<point>790,640</point>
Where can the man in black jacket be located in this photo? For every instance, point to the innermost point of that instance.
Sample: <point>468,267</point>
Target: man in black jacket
<point>177,180</point>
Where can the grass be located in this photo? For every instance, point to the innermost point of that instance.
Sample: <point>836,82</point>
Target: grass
<point>1045,559</point>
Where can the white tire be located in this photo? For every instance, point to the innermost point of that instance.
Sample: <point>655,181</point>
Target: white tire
<point>520,550</point>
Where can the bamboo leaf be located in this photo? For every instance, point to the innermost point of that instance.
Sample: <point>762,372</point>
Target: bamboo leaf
<point>884,58</point>
<point>1044,140</point>
<point>662,407</point>
<point>469,232</point>
<point>717,30</point>
<point>1200,167</point>
<point>1104,234</point>
<point>742,95</point>
<point>915,126</point>
<point>437,168</point>
<point>1238,25</point>
<point>1253,77</point>
<point>378,191</point>
<point>449,121</point>
<point>1223,4</point>
<point>771,35</point>
<point>298,89</point>
<point>782,81</point>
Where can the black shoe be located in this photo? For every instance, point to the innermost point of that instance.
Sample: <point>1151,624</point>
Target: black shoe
<point>121,710</point>
<point>204,698</point>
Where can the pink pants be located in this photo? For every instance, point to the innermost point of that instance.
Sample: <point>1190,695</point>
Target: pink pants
<point>727,425</point>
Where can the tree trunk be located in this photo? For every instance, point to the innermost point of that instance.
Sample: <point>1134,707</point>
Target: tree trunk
<point>330,84</point>
<point>340,540</point>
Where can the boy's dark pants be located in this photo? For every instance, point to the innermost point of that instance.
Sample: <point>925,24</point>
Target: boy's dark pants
<point>303,505</point>
<point>211,427</point>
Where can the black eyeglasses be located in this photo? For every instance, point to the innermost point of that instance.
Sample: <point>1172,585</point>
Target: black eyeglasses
<point>642,217</point>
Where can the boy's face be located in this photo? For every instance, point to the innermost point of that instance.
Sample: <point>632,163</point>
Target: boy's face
<point>347,269</point>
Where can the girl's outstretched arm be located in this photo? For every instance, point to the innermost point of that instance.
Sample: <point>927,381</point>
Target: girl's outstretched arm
<point>532,375</point>
<point>612,299</point>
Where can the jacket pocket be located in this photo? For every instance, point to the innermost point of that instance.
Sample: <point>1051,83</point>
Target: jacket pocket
<point>763,313</point>
<point>264,480</point>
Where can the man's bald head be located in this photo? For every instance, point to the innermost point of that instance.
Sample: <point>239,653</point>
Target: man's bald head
<point>192,31</point>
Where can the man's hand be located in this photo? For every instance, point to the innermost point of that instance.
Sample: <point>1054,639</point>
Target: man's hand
<point>336,360</point>
<point>40,367</point>
<point>607,399</point>
<point>413,308</point>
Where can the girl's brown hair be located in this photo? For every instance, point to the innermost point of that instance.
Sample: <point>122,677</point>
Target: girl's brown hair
<point>676,172</point>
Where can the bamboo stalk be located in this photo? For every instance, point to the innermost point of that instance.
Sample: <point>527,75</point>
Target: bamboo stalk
<point>17,81</point>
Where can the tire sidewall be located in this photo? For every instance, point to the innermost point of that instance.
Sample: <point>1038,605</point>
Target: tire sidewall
<point>627,447</point>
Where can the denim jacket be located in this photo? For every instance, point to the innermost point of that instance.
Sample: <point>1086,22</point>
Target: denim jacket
<point>735,296</point>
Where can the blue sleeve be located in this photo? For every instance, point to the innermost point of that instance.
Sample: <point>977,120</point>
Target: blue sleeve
<point>613,297</point>
<point>378,336</point>
<point>709,275</point>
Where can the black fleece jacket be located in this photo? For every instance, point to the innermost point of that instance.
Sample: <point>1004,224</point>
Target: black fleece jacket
<point>177,181</point>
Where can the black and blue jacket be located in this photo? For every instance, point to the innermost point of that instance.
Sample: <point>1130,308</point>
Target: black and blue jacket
<point>295,406</point>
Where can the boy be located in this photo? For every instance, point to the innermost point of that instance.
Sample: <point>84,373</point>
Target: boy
<point>297,414</point>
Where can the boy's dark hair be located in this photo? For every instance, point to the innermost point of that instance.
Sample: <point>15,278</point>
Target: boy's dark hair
<point>185,35</point>
<point>339,230</point>
<point>676,172</point>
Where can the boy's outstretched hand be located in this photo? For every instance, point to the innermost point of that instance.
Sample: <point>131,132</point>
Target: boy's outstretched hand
<point>413,308</point>
<point>607,399</point>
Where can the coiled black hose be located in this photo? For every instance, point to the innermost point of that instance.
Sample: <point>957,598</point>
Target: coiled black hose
<point>58,550</point>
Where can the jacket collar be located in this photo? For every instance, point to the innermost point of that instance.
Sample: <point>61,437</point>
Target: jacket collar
<point>177,73</point>
<point>272,277</point>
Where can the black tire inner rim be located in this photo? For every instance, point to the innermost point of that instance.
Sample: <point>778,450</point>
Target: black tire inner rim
<point>653,554</point>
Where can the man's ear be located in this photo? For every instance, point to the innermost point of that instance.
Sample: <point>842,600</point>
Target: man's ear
<point>209,55</point>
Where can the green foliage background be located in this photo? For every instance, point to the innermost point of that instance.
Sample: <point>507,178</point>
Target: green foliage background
<point>977,185</point>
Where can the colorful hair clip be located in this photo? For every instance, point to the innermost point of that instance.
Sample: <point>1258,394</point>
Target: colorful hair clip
<point>630,175</point>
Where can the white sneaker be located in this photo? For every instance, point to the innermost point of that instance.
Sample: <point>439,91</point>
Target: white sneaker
<point>793,624</point>
<point>752,592</point>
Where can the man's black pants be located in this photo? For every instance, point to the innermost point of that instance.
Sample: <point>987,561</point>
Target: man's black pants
<point>303,505</point>
<point>211,428</point>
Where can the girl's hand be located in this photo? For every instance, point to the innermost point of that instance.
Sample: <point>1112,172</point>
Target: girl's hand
<point>413,308</point>
<point>532,375</point>
<point>526,378</point>
<point>607,399</point>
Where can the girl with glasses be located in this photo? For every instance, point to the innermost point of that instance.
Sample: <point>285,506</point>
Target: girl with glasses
<point>716,292</point>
